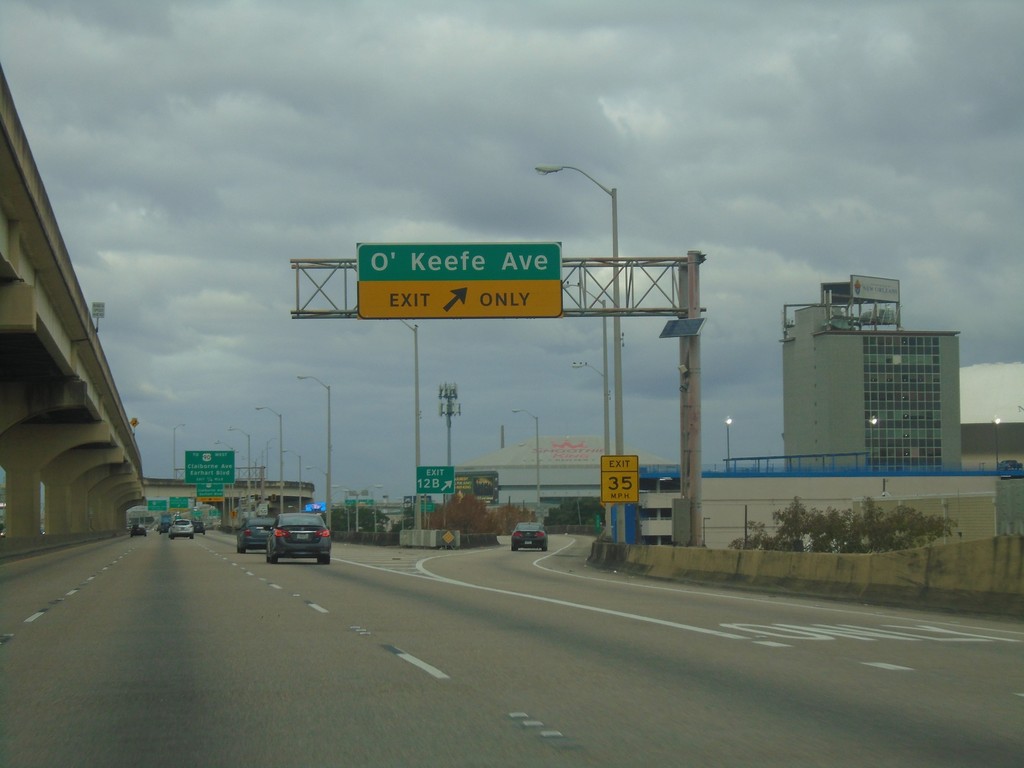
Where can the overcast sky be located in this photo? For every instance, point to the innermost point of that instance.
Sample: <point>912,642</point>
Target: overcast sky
<point>191,149</point>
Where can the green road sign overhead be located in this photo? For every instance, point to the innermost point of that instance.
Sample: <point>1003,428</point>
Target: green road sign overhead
<point>435,479</point>
<point>209,490</point>
<point>459,261</point>
<point>209,466</point>
<point>156,505</point>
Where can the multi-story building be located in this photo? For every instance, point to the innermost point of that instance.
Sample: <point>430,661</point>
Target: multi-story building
<point>860,390</point>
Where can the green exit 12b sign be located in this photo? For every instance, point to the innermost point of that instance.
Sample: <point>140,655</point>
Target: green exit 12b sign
<point>435,479</point>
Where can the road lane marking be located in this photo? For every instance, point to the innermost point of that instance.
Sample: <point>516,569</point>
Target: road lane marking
<point>592,608</point>
<point>34,616</point>
<point>891,667</point>
<point>429,669</point>
<point>316,607</point>
<point>960,637</point>
<point>866,634</point>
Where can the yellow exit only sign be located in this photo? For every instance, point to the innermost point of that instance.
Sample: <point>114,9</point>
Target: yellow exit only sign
<point>620,479</point>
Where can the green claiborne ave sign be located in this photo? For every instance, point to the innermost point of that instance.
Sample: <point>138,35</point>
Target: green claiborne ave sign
<point>209,466</point>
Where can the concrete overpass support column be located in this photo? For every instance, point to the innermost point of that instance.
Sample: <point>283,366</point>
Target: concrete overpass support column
<point>66,495</point>
<point>24,500</point>
<point>27,452</point>
<point>105,494</point>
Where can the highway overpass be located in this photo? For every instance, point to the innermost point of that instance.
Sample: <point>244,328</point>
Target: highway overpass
<point>69,452</point>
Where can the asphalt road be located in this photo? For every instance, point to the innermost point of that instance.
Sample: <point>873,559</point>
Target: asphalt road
<point>149,652</point>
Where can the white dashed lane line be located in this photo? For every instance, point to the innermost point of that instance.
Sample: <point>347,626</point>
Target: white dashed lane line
<point>419,663</point>
<point>890,667</point>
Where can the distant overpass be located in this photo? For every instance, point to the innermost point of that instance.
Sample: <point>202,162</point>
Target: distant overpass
<point>62,424</point>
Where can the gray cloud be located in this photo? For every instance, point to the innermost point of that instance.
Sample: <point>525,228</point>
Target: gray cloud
<point>191,149</point>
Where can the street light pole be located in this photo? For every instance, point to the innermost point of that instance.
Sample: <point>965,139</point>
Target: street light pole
<point>417,515</point>
<point>728,450</point>
<point>330,447</point>
<point>280,456</point>
<point>300,478</point>
<point>995,428</point>
<point>174,452</point>
<point>604,397</point>
<point>536,441</point>
<point>248,470</point>
<point>234,492</point>
<point>616,319</point>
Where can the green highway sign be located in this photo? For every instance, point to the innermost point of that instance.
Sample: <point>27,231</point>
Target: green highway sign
<point>178,502</point>
<point>459,261</point>
<point>435,479</point>
<point>449,280</point>
<point>156,505</point>
<point>209,491</point>
<point>209,467</point>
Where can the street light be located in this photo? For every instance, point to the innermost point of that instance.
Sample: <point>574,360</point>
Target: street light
<point>728,449</point>
<point>248,468</point>
<point>280,455</point>
<point>174,452</point>
<point>416,408</point>
<point>300,477</point>
<point>234,460</point>
<point>330,448</point>
<point>328,494</point>
<point>995,430</point>
<point>536,438</point>
<point>616,320</point>
<point>604,397</point>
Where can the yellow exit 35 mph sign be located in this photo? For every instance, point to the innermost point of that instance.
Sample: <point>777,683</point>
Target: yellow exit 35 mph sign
<point>620,479</point>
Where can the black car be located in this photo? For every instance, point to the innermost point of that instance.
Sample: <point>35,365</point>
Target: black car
<point>253,534</point>
<point>138,530</point>
<point>529,535</point>
<point>299,534</point>
<point>199,526</point>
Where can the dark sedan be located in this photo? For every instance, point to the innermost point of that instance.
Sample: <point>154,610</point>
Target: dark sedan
<point>529,535</point>
<point>138,530</point>
<point>299,534</point>
<point>199,526</point>
<point>253,534</point>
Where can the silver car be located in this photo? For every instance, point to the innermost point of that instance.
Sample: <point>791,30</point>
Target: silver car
<point>181,527</point>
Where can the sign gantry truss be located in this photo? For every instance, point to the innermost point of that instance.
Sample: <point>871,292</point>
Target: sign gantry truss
<point>648,287</point>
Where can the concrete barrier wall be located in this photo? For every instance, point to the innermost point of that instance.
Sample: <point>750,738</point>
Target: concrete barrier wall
<point>23,546</point>
<point>985,576</point>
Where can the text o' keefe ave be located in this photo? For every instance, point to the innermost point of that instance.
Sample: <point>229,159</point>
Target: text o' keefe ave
<point>459,280</point>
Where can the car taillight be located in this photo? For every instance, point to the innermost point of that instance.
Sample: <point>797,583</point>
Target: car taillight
<point>541,534</point>
<point>517,534</point>
<point>247,532</point>
<point>323,533</point>
<point>280,533</point>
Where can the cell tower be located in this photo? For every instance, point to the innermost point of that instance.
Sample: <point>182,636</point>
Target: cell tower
<point>448,395</point>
